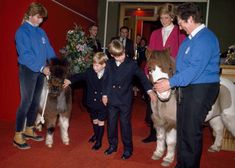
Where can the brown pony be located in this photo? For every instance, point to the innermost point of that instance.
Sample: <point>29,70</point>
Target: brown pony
<point>164,110</point>
<point>58,102</point>
<point>161,65</point>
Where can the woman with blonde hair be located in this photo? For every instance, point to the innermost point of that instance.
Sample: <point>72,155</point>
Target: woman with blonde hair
<point>169,37</point>
<point>34,49</point>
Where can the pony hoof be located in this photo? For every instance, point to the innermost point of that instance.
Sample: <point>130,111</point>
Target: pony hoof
<point>165,164</point>
<point>66,143</point>
<point>39,128</point>
<point>213,149</point>
<point>49,145</point>
<point>154,157</point>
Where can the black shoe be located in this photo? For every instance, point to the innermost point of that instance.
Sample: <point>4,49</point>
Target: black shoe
<point>37,138</point>
<point>110,150</point>
<point>21,146</point>
<point>92,139</point>
<point>97,146</point>
<point>150,138</point>
<point>126,155</point>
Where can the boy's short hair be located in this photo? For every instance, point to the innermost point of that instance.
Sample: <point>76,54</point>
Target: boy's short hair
<point>100,58</point>
<point>116,48</point>
<point>34,9</point>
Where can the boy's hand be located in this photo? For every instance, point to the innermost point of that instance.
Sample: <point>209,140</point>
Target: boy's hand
<point>152,96</point>
<point>105,100</point>
<point>66,83</point>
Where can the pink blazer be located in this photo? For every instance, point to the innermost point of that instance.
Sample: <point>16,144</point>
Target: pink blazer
<point>173,42</point>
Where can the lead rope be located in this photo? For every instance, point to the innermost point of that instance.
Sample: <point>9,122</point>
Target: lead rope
<point>41,119</point>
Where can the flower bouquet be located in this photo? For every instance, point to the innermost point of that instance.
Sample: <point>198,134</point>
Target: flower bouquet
<point>77,52</point>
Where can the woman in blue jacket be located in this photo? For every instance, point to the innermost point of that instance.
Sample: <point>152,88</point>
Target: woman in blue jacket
<point>34,50</point>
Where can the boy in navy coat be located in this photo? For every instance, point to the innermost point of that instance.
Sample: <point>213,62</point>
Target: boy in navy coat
<point>95,78</point>
<point>118,96</point>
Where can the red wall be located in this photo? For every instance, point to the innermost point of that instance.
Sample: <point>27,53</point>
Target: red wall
<point>59,21</point>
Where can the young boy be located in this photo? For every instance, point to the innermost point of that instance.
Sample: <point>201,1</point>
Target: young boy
<point>95,79</point>
<point>118,95</point>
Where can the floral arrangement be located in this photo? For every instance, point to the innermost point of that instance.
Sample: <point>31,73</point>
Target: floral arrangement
<point>77,52</point>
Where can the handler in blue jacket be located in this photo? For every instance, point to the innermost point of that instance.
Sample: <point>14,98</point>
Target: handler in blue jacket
<point>197,77</point>
<point>34,50</point>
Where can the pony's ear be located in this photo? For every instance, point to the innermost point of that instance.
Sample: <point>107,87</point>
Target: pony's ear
<point>167,51</point>
<point>54,61</point>
<point>59,61</point>
<point>148,53</point>
<point>172,65</point>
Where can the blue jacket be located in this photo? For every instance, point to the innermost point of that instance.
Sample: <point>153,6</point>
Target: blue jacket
<point>33,47</point>
<point>197,60</point>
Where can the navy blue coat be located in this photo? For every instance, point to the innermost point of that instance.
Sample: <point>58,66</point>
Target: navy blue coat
<point>120,87</point>
<point>94,87</point>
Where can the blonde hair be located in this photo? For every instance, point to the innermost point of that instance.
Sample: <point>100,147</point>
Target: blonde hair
<point>100,58</point>
<point>116,48</point>
<point>34,9</point>
<point>167,8</point>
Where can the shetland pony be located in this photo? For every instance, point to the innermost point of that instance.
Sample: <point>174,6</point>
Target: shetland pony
<point>222,115</point>
<point>58,103</point>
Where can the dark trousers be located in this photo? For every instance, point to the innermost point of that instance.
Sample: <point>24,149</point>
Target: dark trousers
<point>31,84</point>
<point>196,101</point>
<point>125,122</point>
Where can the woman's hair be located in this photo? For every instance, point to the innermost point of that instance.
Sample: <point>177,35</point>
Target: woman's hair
<point>167,8</point>
<point>100,58</point>
<point>34,9</point>
<point>185,10</point>
<point>116,48</point>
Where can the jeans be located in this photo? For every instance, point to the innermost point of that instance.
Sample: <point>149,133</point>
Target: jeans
<point>31,84</point>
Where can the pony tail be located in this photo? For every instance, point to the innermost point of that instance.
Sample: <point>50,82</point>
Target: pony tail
<point>26,17</point>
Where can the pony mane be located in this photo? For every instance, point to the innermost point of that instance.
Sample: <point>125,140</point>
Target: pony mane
<point>163,60</point>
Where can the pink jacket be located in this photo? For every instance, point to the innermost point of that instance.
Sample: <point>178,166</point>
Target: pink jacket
<point>173,42</point>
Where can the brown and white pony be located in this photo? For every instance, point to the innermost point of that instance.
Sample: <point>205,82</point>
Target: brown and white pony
<point>58,103</point>
<point>222,115</point>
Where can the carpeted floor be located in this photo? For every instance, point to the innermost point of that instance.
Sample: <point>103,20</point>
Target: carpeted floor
<point>79,153</point>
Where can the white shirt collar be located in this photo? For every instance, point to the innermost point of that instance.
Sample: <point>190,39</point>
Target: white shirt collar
<point>31,23</point>
<point>117,63</point>
<point>169,27</point>
<point>195,31</point>
<point>100,74</point>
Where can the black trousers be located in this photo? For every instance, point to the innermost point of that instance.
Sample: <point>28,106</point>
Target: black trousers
<point>195,103</point>
<point>125,122</point>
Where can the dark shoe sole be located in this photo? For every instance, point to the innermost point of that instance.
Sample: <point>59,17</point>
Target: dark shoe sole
<point>38,138</point>
<point>24,146</point>
<point>125,157</point>
<point>96,147</point>
<point>110,152</point>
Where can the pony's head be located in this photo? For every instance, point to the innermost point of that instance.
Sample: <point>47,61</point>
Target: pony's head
<point>59,72</point>
<point>160,65</point>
